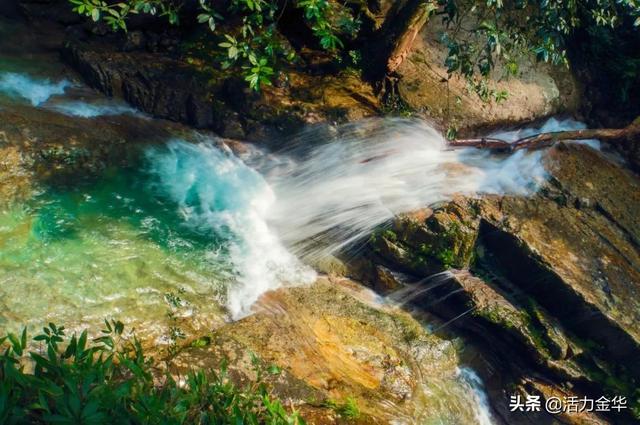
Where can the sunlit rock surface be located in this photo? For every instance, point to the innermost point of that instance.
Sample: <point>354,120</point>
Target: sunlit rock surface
<point>558,276</point>
<point>334,340</point>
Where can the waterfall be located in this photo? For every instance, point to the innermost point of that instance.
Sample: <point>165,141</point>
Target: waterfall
<point>288,208</point>
<point>216,192</point>
<point>37,91</point>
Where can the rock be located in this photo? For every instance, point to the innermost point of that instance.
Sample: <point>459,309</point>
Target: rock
<point>136,40</point>
<point>386,280</point>
<point>187,90</point>
<point>41,145</point>
<point>334,341</point>
<point>16,181</point>
<point>424,86</point>
<point>153,83</point>
<point>557,275</point>
<point>537,91</point>
<point>427,242</point>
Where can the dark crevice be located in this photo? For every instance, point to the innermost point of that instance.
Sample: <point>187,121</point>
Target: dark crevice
<point>630,237</point>
<point>519,266</point>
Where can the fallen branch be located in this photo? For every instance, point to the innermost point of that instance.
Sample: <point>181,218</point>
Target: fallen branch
<point>543,140</point>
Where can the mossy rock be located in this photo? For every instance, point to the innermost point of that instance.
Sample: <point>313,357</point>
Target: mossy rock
<point>430,241</point>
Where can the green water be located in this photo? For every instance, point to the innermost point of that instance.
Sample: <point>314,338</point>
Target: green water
<point>108,249</point>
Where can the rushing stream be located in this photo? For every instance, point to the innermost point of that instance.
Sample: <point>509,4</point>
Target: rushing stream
<point>220,228</point>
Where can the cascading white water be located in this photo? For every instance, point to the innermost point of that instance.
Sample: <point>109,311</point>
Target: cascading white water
<point>40,91</point>
<point>217,192</point>
<point>276,211</point>
<point>322,194</point>
<point>317,197</point>
<point>325,193</point>
<point>336,192</point>
<point>481,408</point>
<point>36,91</point>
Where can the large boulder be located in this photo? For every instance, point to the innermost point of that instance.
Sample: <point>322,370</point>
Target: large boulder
<point>423,85</point>
<point>537,91</point>
<point>335,341</point>
<point>555,278</point>
<point>169,75</point>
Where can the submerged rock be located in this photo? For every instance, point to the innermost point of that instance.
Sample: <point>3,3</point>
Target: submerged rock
<point>41,145</point>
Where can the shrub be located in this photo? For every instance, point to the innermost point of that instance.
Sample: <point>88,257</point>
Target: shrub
<point>109,380</point>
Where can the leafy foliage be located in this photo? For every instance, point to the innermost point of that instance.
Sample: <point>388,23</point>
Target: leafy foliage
<point>479,33</point>
<point>109,380</point>
<point>116,14</point>
<point>256,47</point>
<point>347,409</point>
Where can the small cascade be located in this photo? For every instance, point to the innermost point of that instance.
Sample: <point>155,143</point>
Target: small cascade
<point>36,91</point>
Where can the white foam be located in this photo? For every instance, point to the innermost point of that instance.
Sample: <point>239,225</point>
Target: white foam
<point>481,409</point>
<point>36,91</point>
<point>217,191</point>
<point>90,110</point>
<point>324,193</point>
<point>333,193</point>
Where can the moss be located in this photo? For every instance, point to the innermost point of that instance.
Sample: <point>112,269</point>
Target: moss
<point>387,234</point>
<point>347,409</point>
<point>447,257</point>
<point>390,235</point>
<point>536,328</point>
<point>539,338</point>
<point>614,383</point>
<point>425,249</point>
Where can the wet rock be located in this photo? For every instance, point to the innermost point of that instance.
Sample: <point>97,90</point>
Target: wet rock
<point>188,90</point>
<point>334,341</point>
<point>41,145</point>
<point>15,174</point>
<point>427,242</point>
<point>557,275</point>
<point>155,84</point>
<point>386,280</point>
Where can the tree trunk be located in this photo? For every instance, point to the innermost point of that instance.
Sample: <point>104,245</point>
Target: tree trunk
<point>395,37</point>
<point>416,16</point>
<point>542,140</point>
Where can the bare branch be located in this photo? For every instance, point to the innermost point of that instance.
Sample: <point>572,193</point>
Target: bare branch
<point>543,140</point>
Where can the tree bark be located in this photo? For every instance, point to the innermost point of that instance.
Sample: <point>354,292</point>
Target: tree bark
<point>416,15</point>
<point>395,37</point>
<point>543,140</point>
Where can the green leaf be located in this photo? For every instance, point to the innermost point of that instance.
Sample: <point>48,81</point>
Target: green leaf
<point>24,338</point>
<point>15,343</point>
<point>40,361</point>
<point>82,342</point>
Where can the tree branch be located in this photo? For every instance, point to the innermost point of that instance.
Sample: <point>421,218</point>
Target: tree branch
<point>543,140</point>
